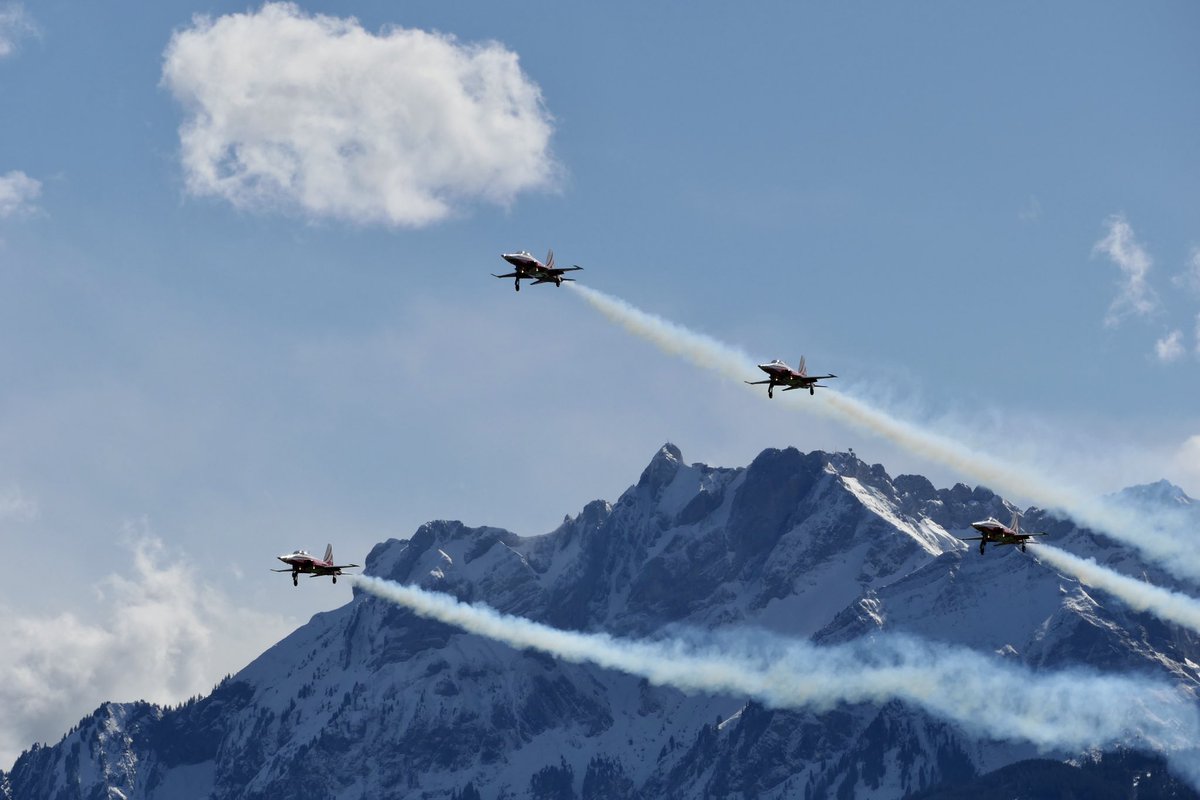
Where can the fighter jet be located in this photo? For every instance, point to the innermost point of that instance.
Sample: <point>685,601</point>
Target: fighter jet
<point>780,374</point>
<point>529,268</point>
<point>998,533</point>
<point>303,561</point>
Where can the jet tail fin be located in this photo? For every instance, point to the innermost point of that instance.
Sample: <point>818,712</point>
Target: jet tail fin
<point>1016,522</point>
<point>329,552</point>
<point>549,258</point>
<point>801,368</point>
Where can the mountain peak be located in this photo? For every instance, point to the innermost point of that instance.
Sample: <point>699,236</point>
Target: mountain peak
<point>662,468</point>
<point>813,544</point>
<point>1161,492</point>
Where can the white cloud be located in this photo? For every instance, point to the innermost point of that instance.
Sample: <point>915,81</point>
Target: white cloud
<point>165,636</point>
<point>17,193</point>
<point>1170,347</point>
<point>1190,277</point>
<point>1031,211</point>
<point>17,505</point>
<point>1186,466</point>
<point>313,114</point>
<point>1135,297</point>
<point>15,24</point>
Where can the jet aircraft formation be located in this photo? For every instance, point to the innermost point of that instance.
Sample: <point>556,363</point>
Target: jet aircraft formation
<point>778,374</point>
<point>528,268</point>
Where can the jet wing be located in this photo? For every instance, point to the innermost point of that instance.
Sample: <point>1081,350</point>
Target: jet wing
<point>342,566</point>
<point>508,275</point>
<point>756,383</point>
<point>281,570</point>
<point>970,538</point>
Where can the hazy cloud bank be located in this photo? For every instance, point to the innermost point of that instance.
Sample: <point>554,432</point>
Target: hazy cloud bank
<point>161,634</point>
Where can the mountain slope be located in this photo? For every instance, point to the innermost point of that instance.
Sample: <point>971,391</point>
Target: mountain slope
<point>369,700</point>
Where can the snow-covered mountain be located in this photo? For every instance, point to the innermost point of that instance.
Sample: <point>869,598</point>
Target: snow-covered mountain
<point>370,701</point>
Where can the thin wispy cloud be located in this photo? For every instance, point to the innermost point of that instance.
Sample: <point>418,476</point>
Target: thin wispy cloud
<point>1135,297</point>
<point>15,24</point>
<point>1187,457</point>
<point>313,114</point>
<point>1170,347</point>
<point>18,192</point>
<point>1190,277</point>
<point>163,635</point>
<point>17,505</point>
<point>1031,211</point>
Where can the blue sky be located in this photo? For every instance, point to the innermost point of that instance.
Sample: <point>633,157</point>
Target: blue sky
<point>986,217</point>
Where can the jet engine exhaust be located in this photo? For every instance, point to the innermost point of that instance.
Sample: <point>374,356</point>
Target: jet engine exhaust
<point>1159,536</point>
<point>1069,709</point>
<point>1165,604</point>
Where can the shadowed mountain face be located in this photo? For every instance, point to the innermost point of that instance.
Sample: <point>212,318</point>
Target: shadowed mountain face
<point>371,701</point>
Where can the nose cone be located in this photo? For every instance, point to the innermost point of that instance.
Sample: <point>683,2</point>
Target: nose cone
<point>284,559</point>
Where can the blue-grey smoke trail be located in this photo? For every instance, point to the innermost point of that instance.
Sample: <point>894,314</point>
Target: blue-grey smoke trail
<point>1071,709</point>
<point>1160,536</point>
<point>1139,595</point>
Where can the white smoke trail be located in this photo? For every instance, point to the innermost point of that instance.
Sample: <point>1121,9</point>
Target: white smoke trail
<point>1159,536</point>
<point>1141,596</point>
<point>1070,709</point>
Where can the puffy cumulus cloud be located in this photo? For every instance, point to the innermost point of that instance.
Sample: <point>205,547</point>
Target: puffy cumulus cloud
<point>313,114</point>
<point>1170,347</point>
<point>17,193</point>
<point>165,636</point>
<point>1135,297</point>
<point>15,24</point>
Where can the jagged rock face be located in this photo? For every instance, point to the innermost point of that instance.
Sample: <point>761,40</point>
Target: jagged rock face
<point>371,701</point>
